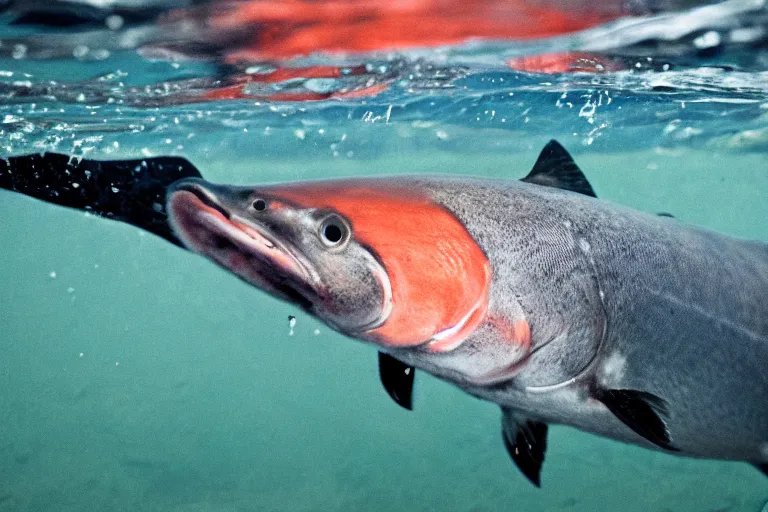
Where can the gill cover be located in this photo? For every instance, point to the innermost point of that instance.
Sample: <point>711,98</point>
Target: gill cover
<point>438,276</point>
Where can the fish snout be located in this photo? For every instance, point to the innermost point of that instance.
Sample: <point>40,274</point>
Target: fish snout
<point>204,191</point>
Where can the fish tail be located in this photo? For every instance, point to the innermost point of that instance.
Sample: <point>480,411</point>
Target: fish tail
<point>131,191</point>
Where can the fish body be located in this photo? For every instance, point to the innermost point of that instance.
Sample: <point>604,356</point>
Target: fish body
<point>535,295</point>
<point>617,299</point>
<point>557,306</point>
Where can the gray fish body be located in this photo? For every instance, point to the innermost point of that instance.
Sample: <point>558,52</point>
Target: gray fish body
<point>531,294</point>
<point>623,300</point>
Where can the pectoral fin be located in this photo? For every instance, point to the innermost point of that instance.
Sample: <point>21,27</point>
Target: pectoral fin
<point>641,411</point>
<point>397,379</point>
<point>526,442</point>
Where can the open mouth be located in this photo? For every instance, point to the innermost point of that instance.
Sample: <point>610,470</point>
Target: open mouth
<point>207,228</point>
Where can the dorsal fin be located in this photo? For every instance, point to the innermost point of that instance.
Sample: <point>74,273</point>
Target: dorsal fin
<point>555,168</point>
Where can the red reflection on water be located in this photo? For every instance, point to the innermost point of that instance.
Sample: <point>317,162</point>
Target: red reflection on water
<point>281,29</point>
<point>567,62</point>
<point>239,89</point>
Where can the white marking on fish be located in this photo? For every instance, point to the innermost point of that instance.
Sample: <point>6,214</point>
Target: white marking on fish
<point>612,371</point>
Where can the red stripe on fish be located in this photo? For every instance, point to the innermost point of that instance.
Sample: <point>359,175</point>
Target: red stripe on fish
<point>439,276</point>
<point>517,333</point>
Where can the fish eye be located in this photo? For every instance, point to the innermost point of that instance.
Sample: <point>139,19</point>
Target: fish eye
<point>259,205</point>
<point>333,231</point>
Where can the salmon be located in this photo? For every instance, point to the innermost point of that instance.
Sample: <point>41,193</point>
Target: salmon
<point>532,294</point>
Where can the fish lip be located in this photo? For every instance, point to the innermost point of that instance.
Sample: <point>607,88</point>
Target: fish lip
<point>206,227</point>
<point>206,197</point>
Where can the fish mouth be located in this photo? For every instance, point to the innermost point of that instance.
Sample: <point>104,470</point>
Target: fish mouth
<point>247,250</point>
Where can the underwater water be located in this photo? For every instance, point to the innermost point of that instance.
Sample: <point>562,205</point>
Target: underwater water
<point>136,376</point>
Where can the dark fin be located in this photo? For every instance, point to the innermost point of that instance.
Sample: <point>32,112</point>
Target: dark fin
<point>131,191</point>
<point>642,412</point>
<point>665,214</point>
<point>70,14</point>
<point>763,468</point>
<point>555,168</point>
<point>53,19</point>
<point>526,443</point>
<point>397,379</point>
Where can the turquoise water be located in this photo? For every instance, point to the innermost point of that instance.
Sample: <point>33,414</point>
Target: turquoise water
<point>136,376</point>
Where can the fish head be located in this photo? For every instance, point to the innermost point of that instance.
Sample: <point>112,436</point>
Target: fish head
<point>375,259</point>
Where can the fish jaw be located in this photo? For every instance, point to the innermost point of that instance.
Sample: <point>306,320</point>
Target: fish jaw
<point>240,247</point>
